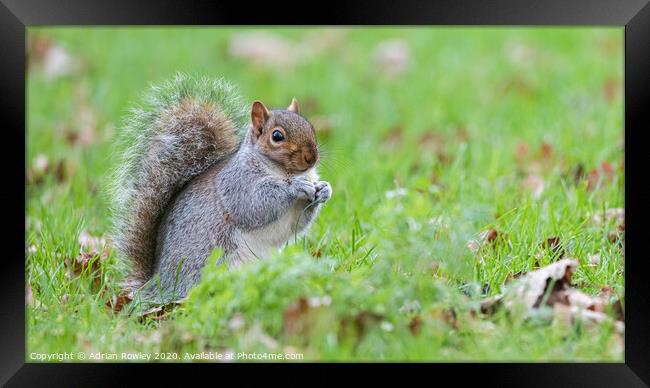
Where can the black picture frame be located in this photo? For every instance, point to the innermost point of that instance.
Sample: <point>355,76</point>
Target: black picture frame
<point>634,15</point>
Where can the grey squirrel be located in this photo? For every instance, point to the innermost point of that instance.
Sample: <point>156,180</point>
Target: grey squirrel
<point>196,174</point>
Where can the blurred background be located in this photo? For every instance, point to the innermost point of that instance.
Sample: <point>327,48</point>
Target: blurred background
<point>428,136</point>
<point>393,107</point>
<point>361,87</point>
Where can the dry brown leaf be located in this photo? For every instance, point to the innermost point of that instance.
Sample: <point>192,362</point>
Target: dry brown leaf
<point>446,315</point>
<point>546,151</point>
<point>611,89</point>
<point>38,45</point>
<point>237,322</point>
<point>491,304</point>
<point>41,167</point>
<point>551,246</point>
<point>520,53</point>
<point>578,173</point>
<point>530,288</point>
<point>600,175</point>
<point>321,41</point>
<point>551,286</point>
<point>490,237</point>
<point>415,325</point>
<point>87,262</point>
<point>521,152</point>
<point>50,56</point>
<point>517,84</point>
<point>92,244</point>
<point>392,57</point>
<point>533,183</point>
<point>262,49</point>
<point>30,300</point>
<point>83,131</point>
<point>256,335</point>
<point>57,62</point>
<point>612,214</point>
<point>432,141</point>
<point>394,137</point>
<point>117,302</point>
<point>570,314</point>
<point>301,317</point>
<point>594,260</point>
<point>358,325</point>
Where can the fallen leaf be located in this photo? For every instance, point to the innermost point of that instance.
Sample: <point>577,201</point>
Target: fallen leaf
<point>600,175</point>
<point>41,167</point>
<point>520,53</point>
<point>535,184</point>
<point>310,104</point>
<point>594,260</point>
<point>321,41</point>
<point>521,152</point>
<point>571,314</point>
<point>551,246</point>
<point>90,243</point>
<point>83,131</point>
<point>546,150</point>
<point>619,313</point>
<point>578,173</point>
<point>38,46</point>
<point>30,300</point>
<point>462,134</point>
<point>432,141</point>
<point>446,315</point>
<point>615,216</point>
<point>491,305</point>
<point>358,325</point>
<point>517,84</point>
<point>117,302</point>
<point>551,286</point>
<point>394,137</point>
<point>237,322</point>
<point>490,237</point>
<point>50,57</point>
<point>262,49</point>
<point>86,262</point>
<point>301,317</point>
<point>256,335</point>
<point>415,325</point>
<point>530,288</point>
<point>392,57</point>
<point>611,89</point>
<point>517,275</point>
<point>612,214</point>
<point>322,124</point>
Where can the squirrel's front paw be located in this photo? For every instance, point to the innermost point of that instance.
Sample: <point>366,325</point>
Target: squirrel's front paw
<point>304,189</point>
<point>323,192</point>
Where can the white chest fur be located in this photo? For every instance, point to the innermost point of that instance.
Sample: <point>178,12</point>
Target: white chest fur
<point>259,243</point>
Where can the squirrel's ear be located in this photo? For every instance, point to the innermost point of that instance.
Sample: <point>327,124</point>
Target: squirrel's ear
<point>293,107</point>
<point>259,115</point>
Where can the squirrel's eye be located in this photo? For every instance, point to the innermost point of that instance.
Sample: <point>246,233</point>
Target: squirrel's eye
<point>277,136</point>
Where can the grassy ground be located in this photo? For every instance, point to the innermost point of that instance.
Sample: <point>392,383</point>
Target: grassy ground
<point>484,128</point>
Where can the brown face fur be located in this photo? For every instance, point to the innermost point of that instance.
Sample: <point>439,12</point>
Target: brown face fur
<point>298,151</point>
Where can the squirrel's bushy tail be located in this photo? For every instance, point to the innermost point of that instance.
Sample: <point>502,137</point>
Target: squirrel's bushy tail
<point>183,127</point>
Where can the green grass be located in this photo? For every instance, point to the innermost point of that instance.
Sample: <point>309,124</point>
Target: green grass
<point>392,242</point>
